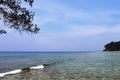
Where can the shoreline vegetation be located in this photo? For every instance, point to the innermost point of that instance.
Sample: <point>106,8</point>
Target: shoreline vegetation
<point>112,46</point>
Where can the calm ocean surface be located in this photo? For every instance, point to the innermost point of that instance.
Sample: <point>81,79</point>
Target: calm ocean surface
<point>63,65</point>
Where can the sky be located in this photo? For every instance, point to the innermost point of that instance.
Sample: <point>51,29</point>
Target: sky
<point>67,25</point>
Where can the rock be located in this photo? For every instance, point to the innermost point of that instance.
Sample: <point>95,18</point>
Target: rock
<point>46,65</point>
<point>26,69</point>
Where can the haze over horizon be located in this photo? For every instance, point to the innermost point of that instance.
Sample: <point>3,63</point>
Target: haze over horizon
<point>79,25</point>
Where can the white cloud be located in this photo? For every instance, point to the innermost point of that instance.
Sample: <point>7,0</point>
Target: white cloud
<point>61,13</point>
<point>82,31</point>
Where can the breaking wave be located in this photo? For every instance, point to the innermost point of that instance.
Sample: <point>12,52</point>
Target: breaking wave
<point>20,70</point>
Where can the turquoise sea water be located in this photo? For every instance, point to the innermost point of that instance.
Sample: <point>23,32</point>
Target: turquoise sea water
<point>62,65</point>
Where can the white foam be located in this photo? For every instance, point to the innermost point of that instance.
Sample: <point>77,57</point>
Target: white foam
<point>10,72</point>
<point>19,70</point>
<point>2,74</point>
<point>38,67</point>
<point>14,71</point>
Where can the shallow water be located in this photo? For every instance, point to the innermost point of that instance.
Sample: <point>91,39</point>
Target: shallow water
<point>63,66</point>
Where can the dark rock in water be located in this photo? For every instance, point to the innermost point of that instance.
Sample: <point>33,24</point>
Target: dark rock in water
<point>112,46</point>
<point>53,63</point>
<point>26,69</point>
<point>46,65</point>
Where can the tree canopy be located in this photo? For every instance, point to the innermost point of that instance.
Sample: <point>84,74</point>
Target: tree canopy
<point>17,17</point>
<point>112,46</point>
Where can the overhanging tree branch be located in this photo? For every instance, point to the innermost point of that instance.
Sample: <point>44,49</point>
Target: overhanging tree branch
<point>17,17</point>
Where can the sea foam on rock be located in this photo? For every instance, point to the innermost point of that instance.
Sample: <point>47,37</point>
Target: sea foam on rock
<point>10,72</point>
<point>38,67</point>
<point>21,70</point>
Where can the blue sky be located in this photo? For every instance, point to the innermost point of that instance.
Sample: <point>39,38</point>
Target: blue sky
<point>68,25</point>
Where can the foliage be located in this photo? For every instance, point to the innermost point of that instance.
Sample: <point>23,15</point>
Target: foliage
<point>17,17</point>
<point>112,46</point>
<point>2,31</point>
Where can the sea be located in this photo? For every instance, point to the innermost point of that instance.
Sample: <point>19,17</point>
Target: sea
<point>85,65</point>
